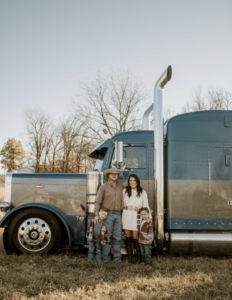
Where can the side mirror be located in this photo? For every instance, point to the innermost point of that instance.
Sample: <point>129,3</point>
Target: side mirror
<point>119,152</point>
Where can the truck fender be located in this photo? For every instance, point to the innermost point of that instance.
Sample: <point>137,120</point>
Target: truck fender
<point>61,217</point>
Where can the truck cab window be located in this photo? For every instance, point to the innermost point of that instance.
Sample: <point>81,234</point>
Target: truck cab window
<point>134,157</point>
<point>99,156</point>
<point>98,165</point>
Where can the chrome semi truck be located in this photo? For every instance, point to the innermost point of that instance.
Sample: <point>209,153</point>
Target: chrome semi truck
<point>184,164</point>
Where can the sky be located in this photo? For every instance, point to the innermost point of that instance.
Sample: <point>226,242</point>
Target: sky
<point>48,47</point>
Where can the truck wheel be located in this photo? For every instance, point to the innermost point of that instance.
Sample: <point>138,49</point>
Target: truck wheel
<point>34,231</point>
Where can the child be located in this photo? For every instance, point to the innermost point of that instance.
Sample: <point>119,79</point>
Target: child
<point>145,235</point>
<point>96,236</point>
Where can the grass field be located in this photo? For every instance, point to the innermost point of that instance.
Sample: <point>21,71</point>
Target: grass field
<point>66,276</point>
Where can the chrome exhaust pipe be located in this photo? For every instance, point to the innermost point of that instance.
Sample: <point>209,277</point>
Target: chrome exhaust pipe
<point>159,155</point>
<point>147,118</point>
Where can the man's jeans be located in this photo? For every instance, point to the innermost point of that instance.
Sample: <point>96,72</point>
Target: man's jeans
<point>146,253</point>
<point>94,248</point>
<point>114,227</point>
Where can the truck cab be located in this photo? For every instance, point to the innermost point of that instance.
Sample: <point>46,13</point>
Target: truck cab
<point>138,157</point>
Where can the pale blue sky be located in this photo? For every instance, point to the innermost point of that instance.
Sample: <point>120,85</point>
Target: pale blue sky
<point>48,46</point>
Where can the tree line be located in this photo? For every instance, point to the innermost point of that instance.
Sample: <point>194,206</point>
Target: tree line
<point>114,103</point>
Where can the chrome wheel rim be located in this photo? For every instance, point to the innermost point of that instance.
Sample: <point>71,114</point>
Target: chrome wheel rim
<point>34,234</point>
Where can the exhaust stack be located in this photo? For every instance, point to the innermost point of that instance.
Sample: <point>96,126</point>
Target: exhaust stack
<point>159,154</point>
<point>147,118</point>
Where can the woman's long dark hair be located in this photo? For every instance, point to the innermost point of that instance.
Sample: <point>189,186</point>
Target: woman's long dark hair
<point>139,188</point>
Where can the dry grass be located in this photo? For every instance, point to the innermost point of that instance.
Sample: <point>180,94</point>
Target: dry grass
<point>72,277</point>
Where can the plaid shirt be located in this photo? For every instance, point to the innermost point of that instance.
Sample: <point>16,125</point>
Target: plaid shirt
<point>103,234</point>
<point>146,232</point>
<point>109,197</point>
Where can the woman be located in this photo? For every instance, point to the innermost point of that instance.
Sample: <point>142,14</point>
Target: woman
<point>134,197</point>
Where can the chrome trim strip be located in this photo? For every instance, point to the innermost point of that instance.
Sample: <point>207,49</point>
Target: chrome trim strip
<point>209,179</point>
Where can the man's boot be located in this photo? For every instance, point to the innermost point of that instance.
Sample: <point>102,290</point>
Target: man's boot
<point>129,247</point>
<point>138,253</point>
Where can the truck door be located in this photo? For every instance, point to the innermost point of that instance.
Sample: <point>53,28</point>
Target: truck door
<point>136,158</point>
<point>220,179</point>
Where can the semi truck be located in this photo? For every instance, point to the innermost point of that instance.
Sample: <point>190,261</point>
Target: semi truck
<point>184,164</point>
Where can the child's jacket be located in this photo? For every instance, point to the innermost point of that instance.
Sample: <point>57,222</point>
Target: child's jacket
<point>103,233</point>
<point>146,232</point>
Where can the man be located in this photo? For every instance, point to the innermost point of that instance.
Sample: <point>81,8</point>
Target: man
<point>109,198</point>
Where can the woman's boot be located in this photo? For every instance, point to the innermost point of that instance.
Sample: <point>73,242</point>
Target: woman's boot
<point>138,253</point>
<point>129,247</point>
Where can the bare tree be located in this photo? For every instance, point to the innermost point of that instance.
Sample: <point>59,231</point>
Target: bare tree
<point>197,102</point>
<point>113,102</point>
<point>83,162</point>
<point>213,100</point>
<point>51,147</point>
<point>74,145</point>
<point>168,112</point>
<point>68,135</point>
<point>62,149</point>
<point>219,99</point>
<point>39,130</point>
<point>55,147</point>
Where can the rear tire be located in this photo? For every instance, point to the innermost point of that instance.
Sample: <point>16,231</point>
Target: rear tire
<point>34,231</point>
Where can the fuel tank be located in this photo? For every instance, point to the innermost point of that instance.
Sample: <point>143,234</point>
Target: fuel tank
<point>208,243</point>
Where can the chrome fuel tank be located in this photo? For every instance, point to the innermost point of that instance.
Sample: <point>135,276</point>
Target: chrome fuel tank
<point>209,243</point>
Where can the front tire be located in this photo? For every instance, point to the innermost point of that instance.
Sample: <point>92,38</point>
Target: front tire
<point>34,230</point>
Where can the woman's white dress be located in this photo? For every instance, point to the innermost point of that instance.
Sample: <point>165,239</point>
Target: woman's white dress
<point>129,217</point>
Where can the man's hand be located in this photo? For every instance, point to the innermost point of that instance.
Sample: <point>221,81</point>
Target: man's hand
<point>96,220</point>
